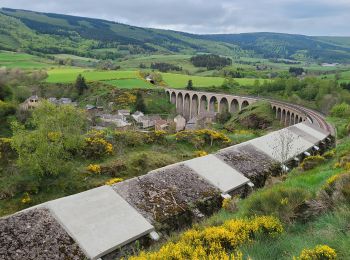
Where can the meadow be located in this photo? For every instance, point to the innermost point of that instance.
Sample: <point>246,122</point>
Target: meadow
<point>130,83</point>
<point>69,74</point>
<point>180,80</point>
<point>22,61</point>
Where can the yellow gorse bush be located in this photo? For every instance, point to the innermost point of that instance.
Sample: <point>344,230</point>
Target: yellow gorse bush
<point>203,136</point>
<point>54,136</point>
<point>26,198</point>
<point>216,242</point>
<point>320,252</point>
<point>113,181</point>
<point>94,168</point>
<point>200,153</point>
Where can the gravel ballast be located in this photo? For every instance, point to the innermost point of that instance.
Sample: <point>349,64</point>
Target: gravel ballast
<point>35,234</point>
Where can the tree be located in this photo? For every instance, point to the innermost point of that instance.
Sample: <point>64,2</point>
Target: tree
<point>56,135</point>
<point>80,84</point>
<point>189,85</point>
<point>285,146</point>
<point>140,103</point>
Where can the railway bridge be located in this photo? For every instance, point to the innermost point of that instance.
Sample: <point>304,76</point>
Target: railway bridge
<point>193,103</point>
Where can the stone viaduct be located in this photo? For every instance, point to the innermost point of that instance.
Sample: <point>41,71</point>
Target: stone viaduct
<point>192,103</point>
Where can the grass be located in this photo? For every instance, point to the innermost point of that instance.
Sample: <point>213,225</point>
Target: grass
<point>130,83</point>
<point>180,80</point>
<point>68,75</point>
<point>22,61</point>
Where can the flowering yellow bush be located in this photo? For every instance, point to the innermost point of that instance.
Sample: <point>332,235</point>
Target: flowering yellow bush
<point>26,199</point>
<point>54,136</point>
<point>94,168</point>
<point>312,162</point>
<point>201,137</point>
<point>216,242</point>
<point>200,153</point>
<point>225,203</point>
<point>113,181</point>
<point>96,146</point>
<point>320,252</point>
<point>125,99</point>
<point>157,136</point>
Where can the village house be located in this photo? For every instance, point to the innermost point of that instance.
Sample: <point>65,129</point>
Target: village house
<point>149,121</point>
<point>180,123</point>
<point>62,101</point>
<point>113,120</point>
<point>30,103</point>
<point>161,124</point>
<point>137,116</point>
<point>124,112</point>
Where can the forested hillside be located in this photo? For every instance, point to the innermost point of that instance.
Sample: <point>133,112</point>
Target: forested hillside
<point>35,32</point>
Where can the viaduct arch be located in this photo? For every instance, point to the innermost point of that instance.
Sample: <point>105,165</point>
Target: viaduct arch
<point>193,103</point>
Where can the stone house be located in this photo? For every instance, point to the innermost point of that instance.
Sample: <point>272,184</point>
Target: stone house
<point>30,103</point>
<point>137,116</point>
<point>149,121</point>
<point>161,125</point>
<point>124,112</point>
<point>180,122</point>
<point>113,120</point>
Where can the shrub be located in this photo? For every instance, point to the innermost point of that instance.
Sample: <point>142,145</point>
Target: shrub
<point>337,188</point>
<point>143,162</point>
<point>26,199</point>
<point>96,146</point>
<point>157,136</point>
<point>130,138</point>
<point>198,138</point>
<point>340,110</point>
<point>200,153</point>
<point>216,242</point>
<point>6,151</point>
<point>320,252</point>
<point>113,168</point>
<point>281,202</point>
<point>329,154</point>
<point>312,162</point>
<point>94,168</point>
<point>40,150</point>
<point>113,181</point>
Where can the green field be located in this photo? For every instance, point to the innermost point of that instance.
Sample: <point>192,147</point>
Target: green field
<point>68,75</point>
<point>130,83</point>
<point>22,61</point>
<point>180,81</point>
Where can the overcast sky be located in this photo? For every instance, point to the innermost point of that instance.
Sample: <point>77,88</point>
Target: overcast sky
<point>310,17</point>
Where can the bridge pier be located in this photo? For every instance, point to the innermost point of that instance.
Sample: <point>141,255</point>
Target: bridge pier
<point>192,103</point>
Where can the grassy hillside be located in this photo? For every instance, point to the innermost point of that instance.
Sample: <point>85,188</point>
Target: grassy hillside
<point>95,38</point>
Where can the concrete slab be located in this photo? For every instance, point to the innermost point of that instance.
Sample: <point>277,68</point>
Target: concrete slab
<point>217,172</point>
<point>308,137</point>
<point>99,220</point>
<point>319,134</point>
<point>282,145</point>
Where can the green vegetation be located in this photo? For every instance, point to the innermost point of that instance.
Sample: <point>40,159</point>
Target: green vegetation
<point>22,60</point>
<point>67,75</point>
<point>256,116</point>
<point>313,206</point>
<point>52,34</point>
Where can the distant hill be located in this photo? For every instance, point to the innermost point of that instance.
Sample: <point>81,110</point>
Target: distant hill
<point>46,33</point>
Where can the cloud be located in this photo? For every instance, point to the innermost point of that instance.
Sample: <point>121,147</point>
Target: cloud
<point>311,17</point>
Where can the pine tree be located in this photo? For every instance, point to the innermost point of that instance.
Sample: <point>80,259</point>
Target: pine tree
<point>80,84</point>
<point>189,85</point>
<point>140,103</point>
